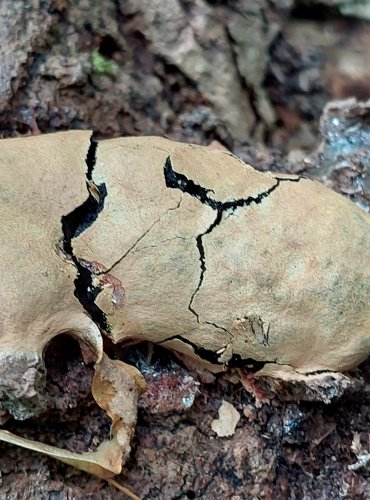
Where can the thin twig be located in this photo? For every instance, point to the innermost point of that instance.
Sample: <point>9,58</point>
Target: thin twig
<point>123,489</point>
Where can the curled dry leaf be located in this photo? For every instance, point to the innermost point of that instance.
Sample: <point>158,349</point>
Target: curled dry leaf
<point>116,387</point>
<point>362,453</point>
<point>228,418</point>
<point>184,246</point>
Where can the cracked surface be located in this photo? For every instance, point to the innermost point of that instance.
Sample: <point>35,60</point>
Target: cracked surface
<point>215,262</point>
<point>179,181</point>
<point>183,246</point>
<point>74,224</point>
<point>41,179</point>
<point>35,194</point>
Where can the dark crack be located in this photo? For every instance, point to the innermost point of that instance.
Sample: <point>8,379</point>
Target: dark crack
<point>141,237</point>
<point>177,180</point>
<point>236,360</point>
<point>202,259</point>
<point>75,223</point>
<point>220,328</point>
<point>213,357</point>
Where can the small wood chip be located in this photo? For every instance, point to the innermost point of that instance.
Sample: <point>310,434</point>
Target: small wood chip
<point>225,425</point>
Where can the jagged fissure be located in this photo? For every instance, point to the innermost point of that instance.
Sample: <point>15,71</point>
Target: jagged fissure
<point>179,181</point>
<point>75,223</point>
<point>91,158</point>
<point>202,258</point>
<point>176,180</point>
<point>236,361</point>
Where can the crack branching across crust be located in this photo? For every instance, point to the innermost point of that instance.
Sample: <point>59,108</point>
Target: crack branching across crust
<point>176,180</point>
<point>84,216</point>
<point>197,251</point>
<point>73,224</point>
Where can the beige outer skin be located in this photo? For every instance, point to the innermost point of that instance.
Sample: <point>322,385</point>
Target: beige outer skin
<point>41,179</point>
<point>296,263</point>
<point>287,280</point>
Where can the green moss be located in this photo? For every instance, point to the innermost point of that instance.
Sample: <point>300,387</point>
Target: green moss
<point>102,65</point>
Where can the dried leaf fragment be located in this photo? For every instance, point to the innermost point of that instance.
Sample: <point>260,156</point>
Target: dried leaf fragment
<point>362,454</point>
<point>102,463</point>
<point>228,418</point>
<point>116,387</point>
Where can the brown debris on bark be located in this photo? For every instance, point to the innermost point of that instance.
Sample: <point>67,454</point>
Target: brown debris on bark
<point>102,66</point>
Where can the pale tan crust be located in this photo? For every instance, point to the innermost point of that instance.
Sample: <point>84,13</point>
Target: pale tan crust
<point>235,265</point>
<point>41,179</point>
<point>186,246</point>
<point>287,279</point>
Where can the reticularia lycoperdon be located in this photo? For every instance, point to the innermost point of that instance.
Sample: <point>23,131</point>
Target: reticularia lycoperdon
<point>180,245</point>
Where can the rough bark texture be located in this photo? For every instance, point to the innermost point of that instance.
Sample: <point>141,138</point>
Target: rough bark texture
<point>51,79</point>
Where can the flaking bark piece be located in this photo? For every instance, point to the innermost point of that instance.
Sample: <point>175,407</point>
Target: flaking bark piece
<point>191,249</point>
<point>116,388</point>
<point>41,179</point>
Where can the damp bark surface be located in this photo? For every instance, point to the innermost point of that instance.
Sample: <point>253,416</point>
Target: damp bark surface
<point>186,247</point>
<point>47,84</point>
